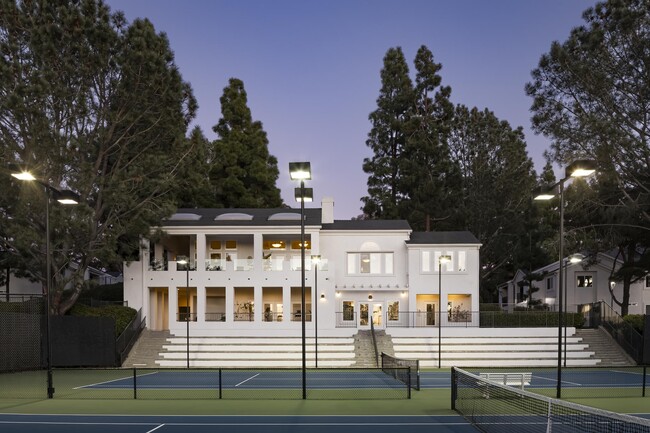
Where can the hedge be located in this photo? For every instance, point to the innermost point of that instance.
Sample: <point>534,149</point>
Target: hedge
<point>122,315</point>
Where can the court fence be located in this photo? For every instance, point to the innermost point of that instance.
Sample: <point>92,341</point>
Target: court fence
<point>210,384</point>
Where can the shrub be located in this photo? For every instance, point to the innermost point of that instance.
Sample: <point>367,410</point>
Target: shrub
<point>121,315</point>
<point>636,321</point>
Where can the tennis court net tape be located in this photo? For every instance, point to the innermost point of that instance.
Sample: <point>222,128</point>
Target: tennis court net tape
<point>493,407</point>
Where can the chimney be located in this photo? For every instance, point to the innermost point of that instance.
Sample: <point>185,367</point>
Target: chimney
<point>327,205</point>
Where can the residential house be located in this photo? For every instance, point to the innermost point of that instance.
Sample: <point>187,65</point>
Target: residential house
<point>245,277</point>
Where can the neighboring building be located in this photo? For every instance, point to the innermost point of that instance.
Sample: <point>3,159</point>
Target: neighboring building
<point>585,284</point>
<point>24,286</point>
<point>245,274</point>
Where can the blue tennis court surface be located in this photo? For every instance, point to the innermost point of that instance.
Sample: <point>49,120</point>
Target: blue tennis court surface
<point>11,423</point>
<point>233,379</point>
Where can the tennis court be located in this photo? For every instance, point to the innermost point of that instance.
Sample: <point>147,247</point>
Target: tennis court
<point>242,424</point>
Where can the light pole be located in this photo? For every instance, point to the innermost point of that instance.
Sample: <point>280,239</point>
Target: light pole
<point>315,260</point>
<point>580,168</point>
<point>186,262</point>
<point>442,259</point>
<point>302,171</point>
<point>63,197</point>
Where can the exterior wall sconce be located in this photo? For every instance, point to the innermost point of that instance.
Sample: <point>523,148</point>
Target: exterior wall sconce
<point>322,296</point>
<point>370,297</point>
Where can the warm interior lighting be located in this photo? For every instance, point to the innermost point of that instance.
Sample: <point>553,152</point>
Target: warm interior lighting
<point>300,170</point>
<point>315,259</point>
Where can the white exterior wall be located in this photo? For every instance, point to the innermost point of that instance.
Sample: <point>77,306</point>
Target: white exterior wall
<point>147,288</point>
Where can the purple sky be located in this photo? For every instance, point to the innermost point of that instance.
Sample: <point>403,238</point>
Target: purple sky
<point>311,68</point>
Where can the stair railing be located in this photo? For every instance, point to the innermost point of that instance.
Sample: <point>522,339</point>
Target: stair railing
<point>374,340</point>
<point>624,334</point>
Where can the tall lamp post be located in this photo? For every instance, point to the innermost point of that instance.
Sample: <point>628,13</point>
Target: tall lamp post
<point>64,197</point>
<point>186,262</point>
<point>315,260</point>
<point>302,171</point>
<point>442,259</point>
<point>579,168</point>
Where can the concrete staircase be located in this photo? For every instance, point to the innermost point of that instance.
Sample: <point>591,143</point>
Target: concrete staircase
<point>488,347</point>
<point>364,349</point>
<point>605,347</point>
<point>145,351</point>
<point>155,349</point>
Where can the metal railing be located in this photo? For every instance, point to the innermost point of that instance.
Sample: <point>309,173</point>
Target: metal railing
<point>624,334</point>
<point>215,317</point>
<point>346,319</point>
<point>127,339</point>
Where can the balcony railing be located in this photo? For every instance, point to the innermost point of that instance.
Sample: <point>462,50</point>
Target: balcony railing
<point>215,317</point>
<point>185,317</point>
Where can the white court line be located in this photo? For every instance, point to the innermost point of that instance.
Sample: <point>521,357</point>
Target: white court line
<point>244,381</point>
<point>555,380</point>
<point>114,380</point>
<point>154,429</point>
<point>627,372</point>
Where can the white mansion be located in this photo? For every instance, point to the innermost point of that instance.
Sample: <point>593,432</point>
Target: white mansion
<point>244,274</point>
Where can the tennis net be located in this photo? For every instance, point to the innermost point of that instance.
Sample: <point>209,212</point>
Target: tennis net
<point>404,370</point>
<point>492,407</point>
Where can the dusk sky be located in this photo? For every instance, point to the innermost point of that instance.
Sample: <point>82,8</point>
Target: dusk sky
<point>311,68</point>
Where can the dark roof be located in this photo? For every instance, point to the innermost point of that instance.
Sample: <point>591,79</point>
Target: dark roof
<point>256,217</point>
<point>461,237</point>
<point>368,225</point>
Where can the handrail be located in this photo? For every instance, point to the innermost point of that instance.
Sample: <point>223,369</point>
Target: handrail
<point>624,333</point>
<point>127,338</point>
<point>374,340</point>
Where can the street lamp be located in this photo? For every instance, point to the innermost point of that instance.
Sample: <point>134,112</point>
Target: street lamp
<point>64,197</point>
<point>186,262</point>
<point>302,171</point>
<point>315,260</point>
<point>442,259</point>
<point>573,259</point>
<point>579,168</point>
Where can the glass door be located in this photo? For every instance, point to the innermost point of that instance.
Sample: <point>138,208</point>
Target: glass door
<point>364,318</point>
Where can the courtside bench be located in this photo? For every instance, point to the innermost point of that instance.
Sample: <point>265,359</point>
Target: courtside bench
<point>509,379</point>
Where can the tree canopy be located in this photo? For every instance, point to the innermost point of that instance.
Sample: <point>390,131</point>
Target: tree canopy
<point>92,104</point>
<point>591,96</point>
<point>243,172</point>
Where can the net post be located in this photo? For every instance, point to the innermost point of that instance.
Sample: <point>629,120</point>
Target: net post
<point>408,384</point>
<point>220,387</point>
<point>454,389</point>
<point>135,384</point>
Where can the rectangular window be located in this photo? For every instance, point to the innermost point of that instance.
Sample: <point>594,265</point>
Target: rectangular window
<point>426,261</point>
<point>231,245</point>
<point>370,263</point>
<point>276,245</point>
<point>462,265</point>
<point>393,311</point>
<point>215,245</point>
<point>585,281</point>
<point>647,281</point>
<point>348,310</point>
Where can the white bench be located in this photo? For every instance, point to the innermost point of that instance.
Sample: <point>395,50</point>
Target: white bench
<point>509,379</point>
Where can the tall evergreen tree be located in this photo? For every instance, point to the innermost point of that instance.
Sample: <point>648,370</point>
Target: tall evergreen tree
<point>194,188</point>
<point>95,105</point>
<point>429,180</point>
<point>591,96</point>
<point>243,173</point>
<point>495,198</point>
<point>387,138</point>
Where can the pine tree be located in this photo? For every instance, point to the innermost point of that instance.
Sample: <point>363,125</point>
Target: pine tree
<point>387,138</point>
<point>243,173</point>
<point>429,180</point>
